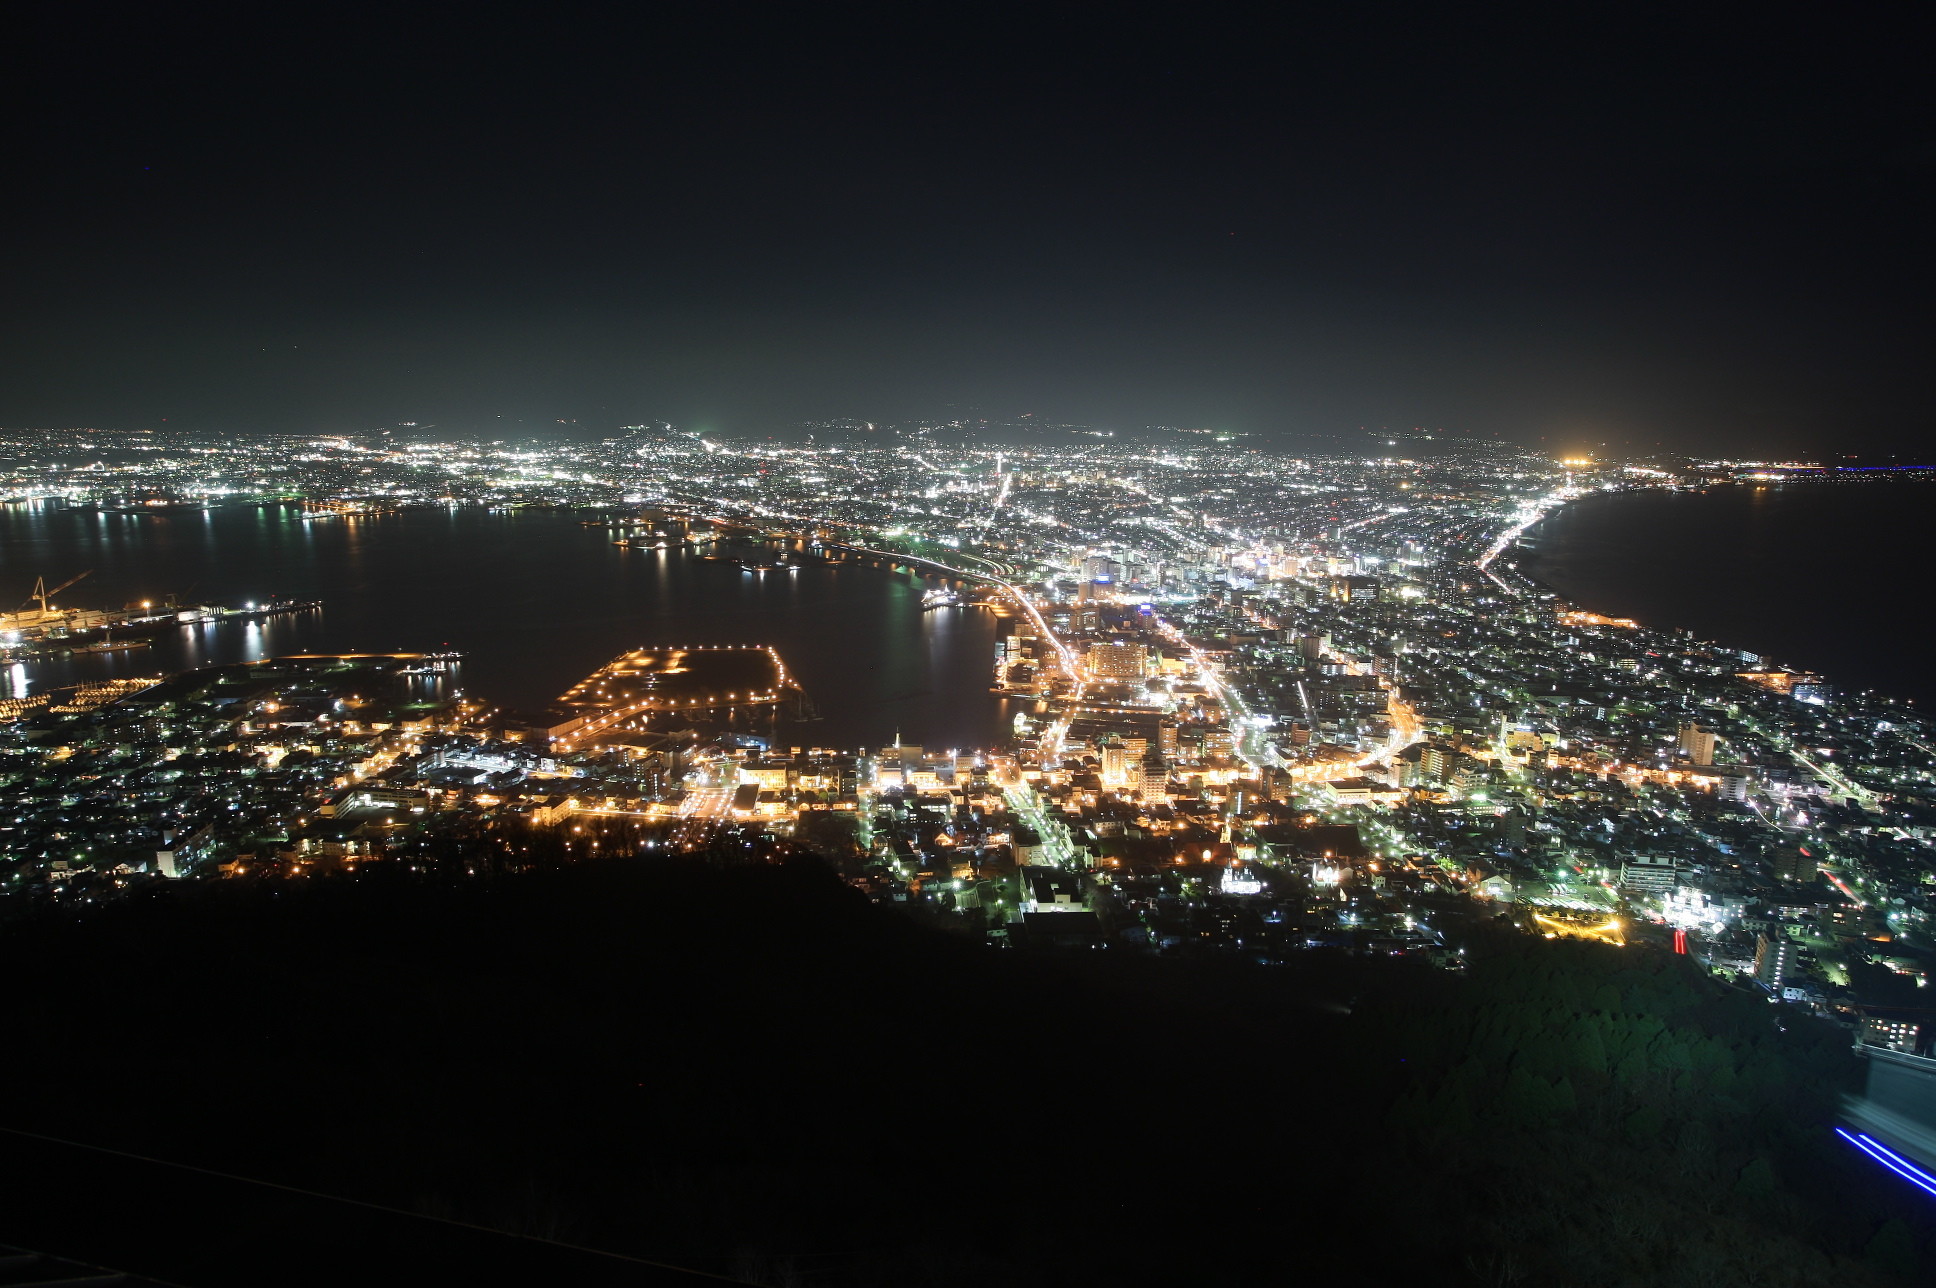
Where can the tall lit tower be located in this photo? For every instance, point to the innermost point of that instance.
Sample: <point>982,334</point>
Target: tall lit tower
<point>1696,743</point>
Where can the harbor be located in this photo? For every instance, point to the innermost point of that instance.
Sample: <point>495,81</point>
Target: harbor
<point>527,597</point>
<point>48,630</point>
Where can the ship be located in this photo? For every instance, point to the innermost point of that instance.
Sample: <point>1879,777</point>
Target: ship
<point>940,598</point>
<point>755,565</point>
<point>158,509</point>
<point>50,623</point>
<point>313,510</point>
<point>108,646</point>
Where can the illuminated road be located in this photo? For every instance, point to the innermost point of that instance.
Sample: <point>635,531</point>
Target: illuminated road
<point>1252,745</point>
<point>1836,778</point>
<point>1841,885</point>
<point>1367,522</point>
<point>1249,742</point>
<point>1525,517</point>
<point>707,808</point>
<point>1024,805</point>
<point>600,724</point>
<point>1405,732</point>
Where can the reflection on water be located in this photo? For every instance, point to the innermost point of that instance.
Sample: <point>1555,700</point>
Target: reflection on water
<point>535,602</point>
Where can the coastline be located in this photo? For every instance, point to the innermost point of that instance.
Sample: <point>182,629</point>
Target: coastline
<point>534,599</point>
<point>1783,570</point>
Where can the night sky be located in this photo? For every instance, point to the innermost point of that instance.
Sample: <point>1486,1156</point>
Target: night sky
<point>1707,231</point>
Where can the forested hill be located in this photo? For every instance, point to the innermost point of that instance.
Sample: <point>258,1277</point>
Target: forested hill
<point>757,1073</point>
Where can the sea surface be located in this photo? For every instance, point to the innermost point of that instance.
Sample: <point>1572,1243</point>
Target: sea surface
<point>534,600</point>
<point>1832,577</point>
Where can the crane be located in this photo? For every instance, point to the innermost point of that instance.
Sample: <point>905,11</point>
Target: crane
<point>44,595</point>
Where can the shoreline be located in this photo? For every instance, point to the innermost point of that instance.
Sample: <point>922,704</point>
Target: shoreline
<point>1533,558</point>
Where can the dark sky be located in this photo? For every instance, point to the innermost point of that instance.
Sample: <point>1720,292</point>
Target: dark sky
<point>1706,230</point>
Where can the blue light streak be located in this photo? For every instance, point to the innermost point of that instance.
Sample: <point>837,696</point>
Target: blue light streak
<point>1890,1159</point>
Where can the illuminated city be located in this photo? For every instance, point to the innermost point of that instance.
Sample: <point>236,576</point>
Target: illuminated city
<point>1263,707</point>
<point>804,647</point>
<point>1275,702</point>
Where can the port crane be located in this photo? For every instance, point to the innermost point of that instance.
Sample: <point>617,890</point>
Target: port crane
<point>44,595</point>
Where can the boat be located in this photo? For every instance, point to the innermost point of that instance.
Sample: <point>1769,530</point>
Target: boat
<point>108,646</point>
<point>157,509</point>
<point>940,598</point>
<point>313,510</point>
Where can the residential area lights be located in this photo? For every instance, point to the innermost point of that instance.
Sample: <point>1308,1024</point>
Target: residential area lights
<point>1203,646</point>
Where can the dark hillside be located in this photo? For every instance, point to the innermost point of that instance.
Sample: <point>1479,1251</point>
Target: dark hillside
<point>756,1072</point>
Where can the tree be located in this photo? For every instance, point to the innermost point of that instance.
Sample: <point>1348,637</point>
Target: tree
<point>1644,1125</point>
<point>1589,1051</point>
<point>1524,1101</point>
<point>1756,1180</point>
<point>1893,1249</point>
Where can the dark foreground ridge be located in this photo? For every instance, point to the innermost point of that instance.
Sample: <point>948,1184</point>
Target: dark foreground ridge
<point>755,1073</point>
<point>211,1229</point>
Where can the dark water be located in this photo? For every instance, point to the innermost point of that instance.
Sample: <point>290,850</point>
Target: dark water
<point>1833,577</point>
<point>535,602</point>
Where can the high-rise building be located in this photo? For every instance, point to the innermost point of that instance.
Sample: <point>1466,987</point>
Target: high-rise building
<point>1088,610</point>
<point>1645,874</point>
<point>1772,961</point>
<point>1155,773</point>
<point>1897,1035</point>
<point>1117,661</point>
<point>1793,863</point>
<point>1697,744</point>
